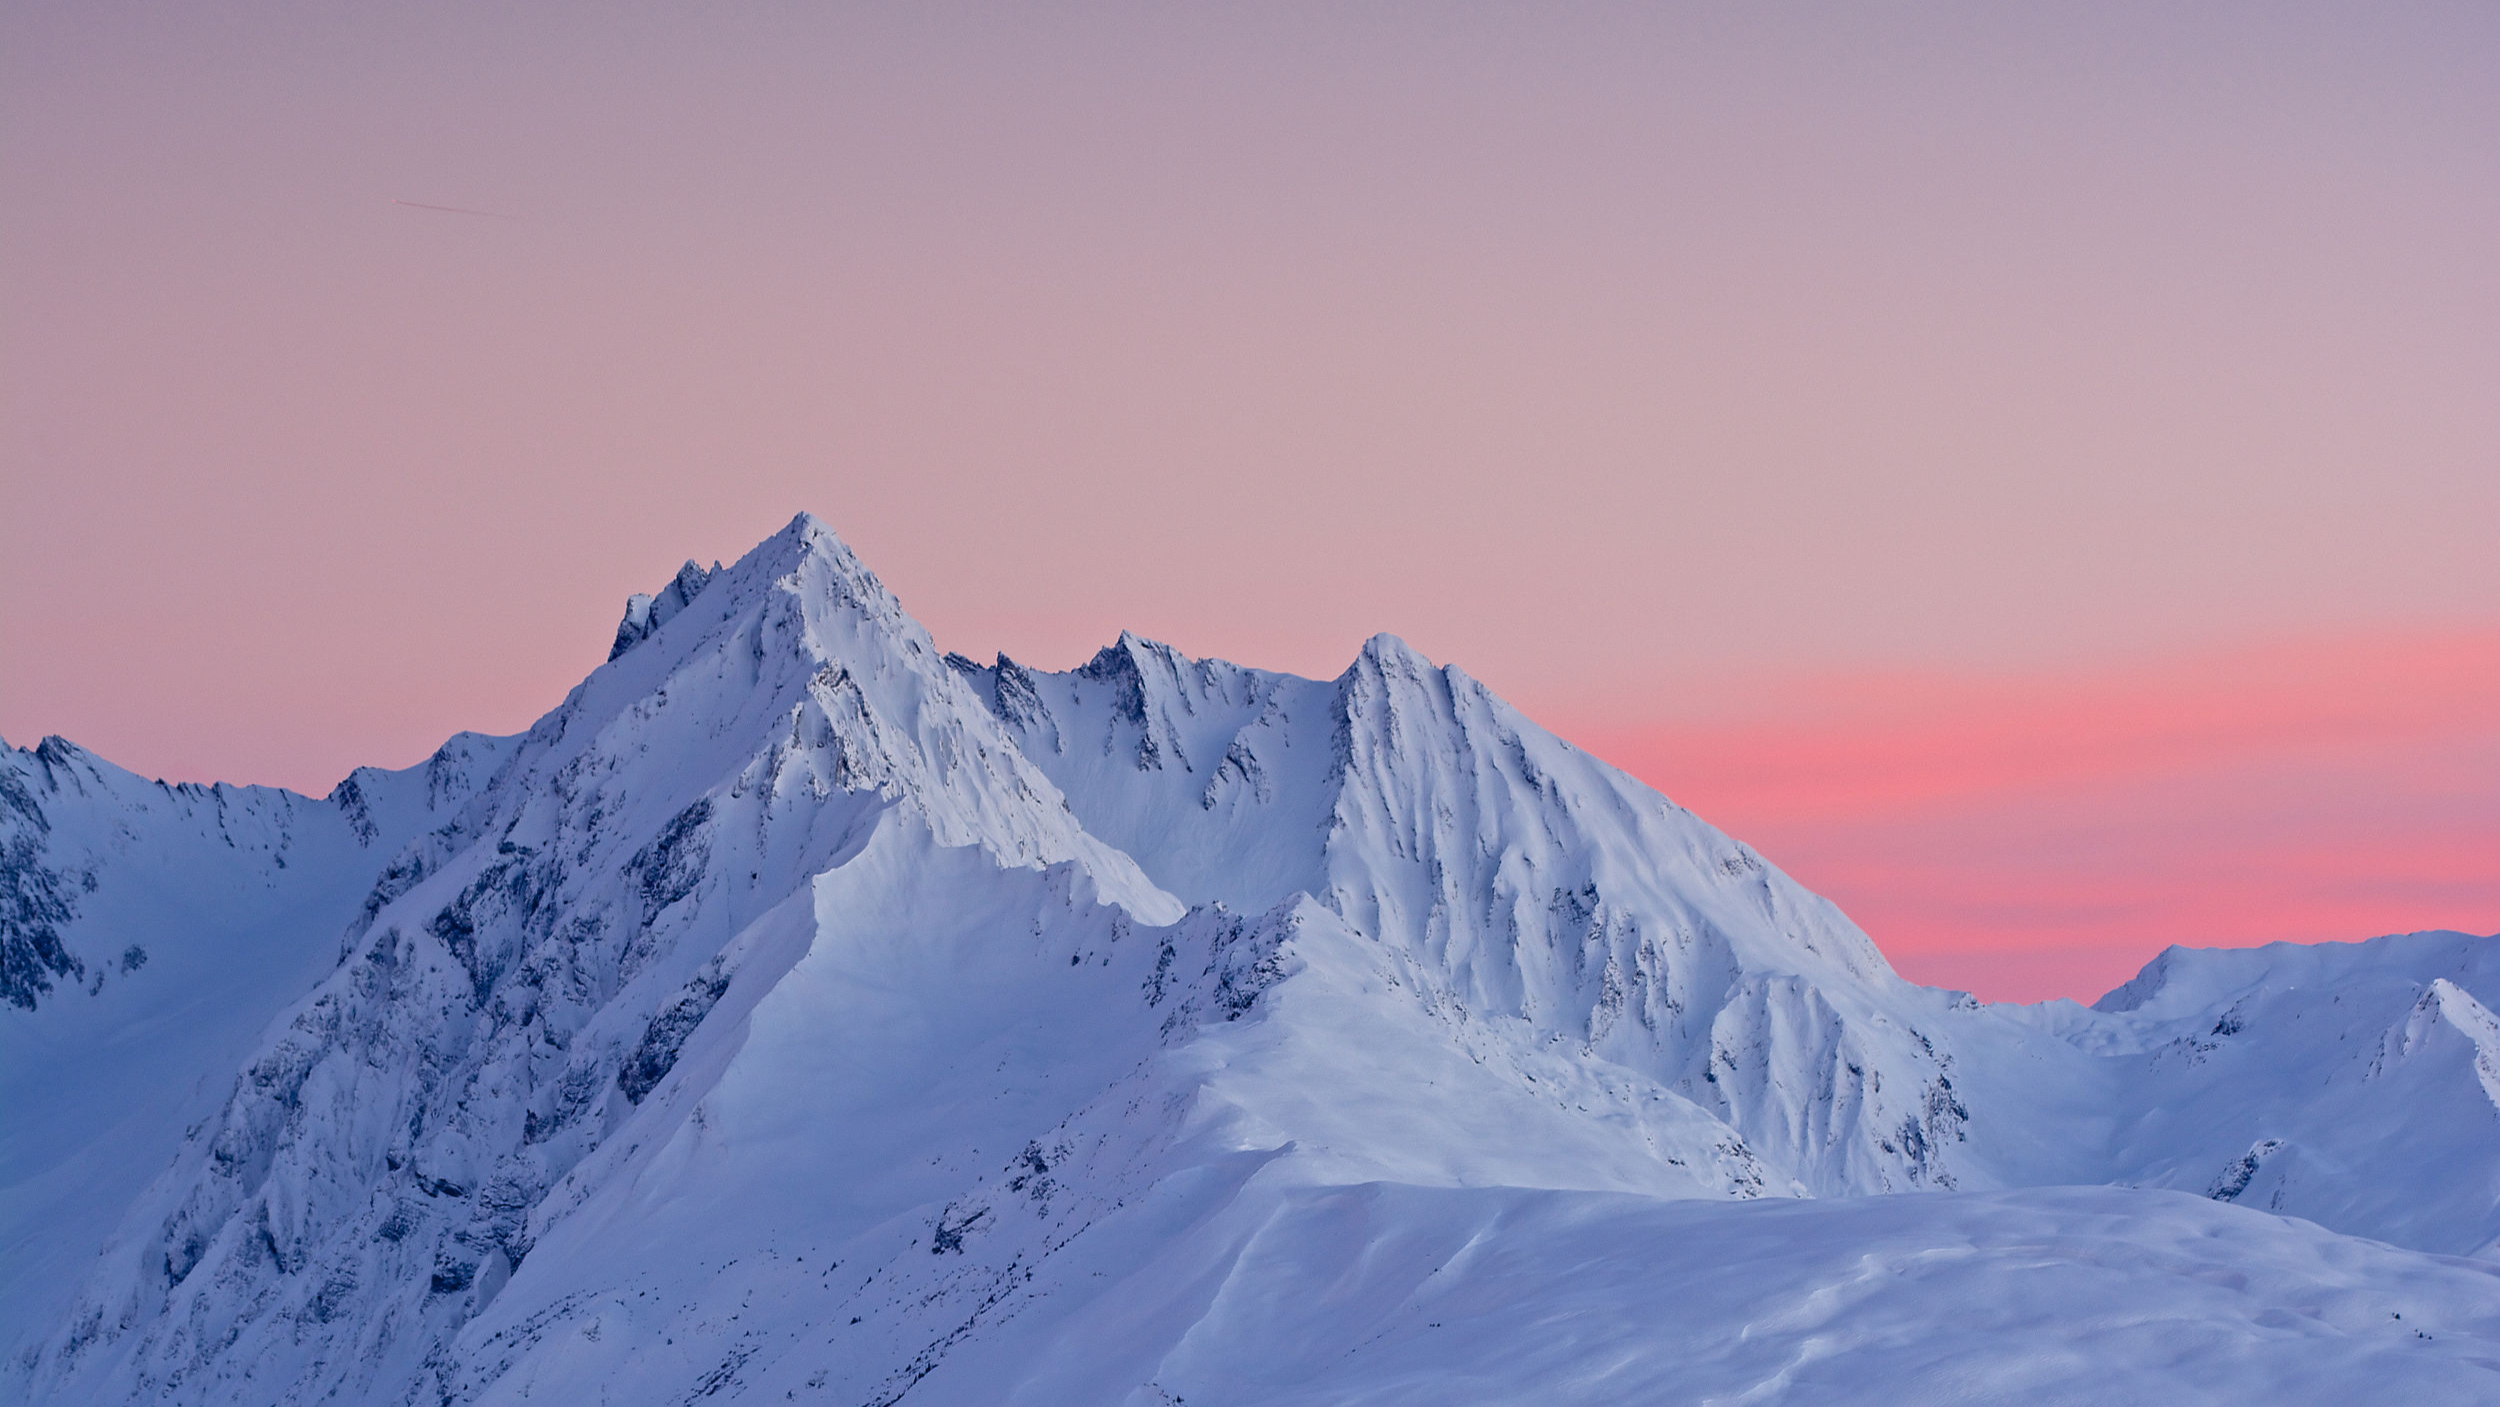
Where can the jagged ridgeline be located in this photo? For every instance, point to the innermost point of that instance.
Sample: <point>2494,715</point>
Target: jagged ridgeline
<point>797,1012</point>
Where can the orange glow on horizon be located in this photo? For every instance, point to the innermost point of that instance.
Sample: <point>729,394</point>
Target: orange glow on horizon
<point>2045,837</point>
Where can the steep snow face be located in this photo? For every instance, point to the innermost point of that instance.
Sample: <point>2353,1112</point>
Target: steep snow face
<point>798,1014</point>
<point>1514,880</point>
<point>151,932</point>
<point>1526,879</point>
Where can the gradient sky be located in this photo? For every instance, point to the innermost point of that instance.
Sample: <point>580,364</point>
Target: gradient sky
<point>2033,470</point>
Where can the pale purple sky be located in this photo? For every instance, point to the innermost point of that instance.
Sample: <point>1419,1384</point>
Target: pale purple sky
<point>1673,369</point>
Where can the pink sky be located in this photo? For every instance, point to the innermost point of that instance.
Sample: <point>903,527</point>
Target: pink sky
<point>2037,836</point>
<point>2032,470</point>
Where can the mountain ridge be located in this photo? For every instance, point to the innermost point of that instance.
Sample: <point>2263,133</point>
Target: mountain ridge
<point>786,934</point>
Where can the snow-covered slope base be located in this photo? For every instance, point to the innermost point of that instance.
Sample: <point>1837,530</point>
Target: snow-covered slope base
<point>799,1014</point>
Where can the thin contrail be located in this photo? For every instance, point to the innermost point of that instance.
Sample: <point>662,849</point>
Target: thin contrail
<point>455,210</point>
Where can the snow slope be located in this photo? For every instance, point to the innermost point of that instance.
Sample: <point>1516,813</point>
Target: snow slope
<point>2354,1084</point>
<point>797,1013</point>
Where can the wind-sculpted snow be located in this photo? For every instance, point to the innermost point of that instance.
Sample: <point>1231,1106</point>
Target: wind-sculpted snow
<point>796,1013</point>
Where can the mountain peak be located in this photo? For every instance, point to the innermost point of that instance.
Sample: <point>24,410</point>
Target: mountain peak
<point>809,537</point>
<point>807,547</point>
<point>810,549</point>
<point>812,534</point>
<point>1387,651</point>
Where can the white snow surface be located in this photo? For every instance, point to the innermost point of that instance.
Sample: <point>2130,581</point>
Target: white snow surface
<point>799,1014</point>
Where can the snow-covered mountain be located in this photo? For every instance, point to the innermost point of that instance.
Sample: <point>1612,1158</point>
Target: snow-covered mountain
<point>149,934</point>
<point>797,1013</point>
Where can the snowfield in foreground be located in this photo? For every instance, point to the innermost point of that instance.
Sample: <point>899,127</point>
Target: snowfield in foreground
<point>797,1013</point>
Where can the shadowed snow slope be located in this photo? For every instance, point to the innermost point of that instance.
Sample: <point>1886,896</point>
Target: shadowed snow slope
<point>796,1013</point>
